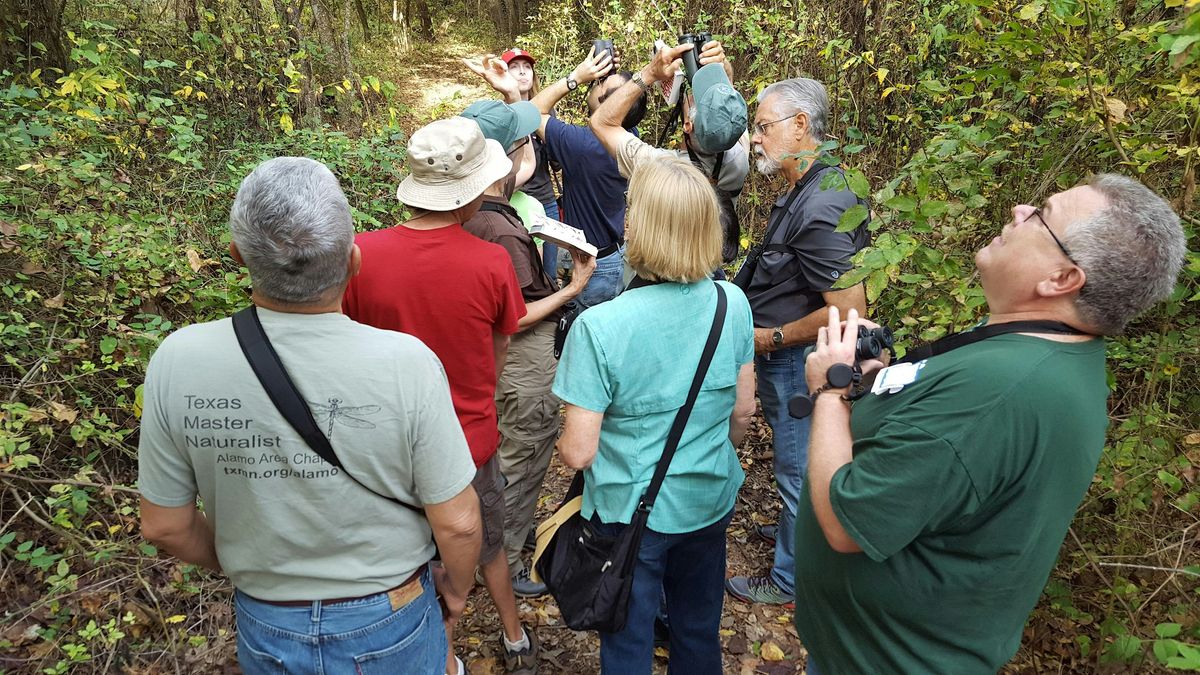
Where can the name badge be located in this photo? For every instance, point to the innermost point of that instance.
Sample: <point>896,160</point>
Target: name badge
<point>894,378</point>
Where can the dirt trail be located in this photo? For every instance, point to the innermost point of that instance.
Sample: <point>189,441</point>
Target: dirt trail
<point>431,80</point>
<point>433,83</point>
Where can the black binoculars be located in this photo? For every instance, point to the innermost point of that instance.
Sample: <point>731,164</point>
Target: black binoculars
<point>691,59</point>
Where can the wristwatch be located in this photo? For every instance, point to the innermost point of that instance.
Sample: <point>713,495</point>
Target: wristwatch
<point>639,81</point>
<point>572,85</point>
<point>777,336</point>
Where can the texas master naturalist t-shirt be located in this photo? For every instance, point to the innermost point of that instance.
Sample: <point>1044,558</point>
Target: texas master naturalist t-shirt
<point>290,526</point>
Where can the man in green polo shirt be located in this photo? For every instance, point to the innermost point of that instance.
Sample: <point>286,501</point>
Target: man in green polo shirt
<point>933,513</point>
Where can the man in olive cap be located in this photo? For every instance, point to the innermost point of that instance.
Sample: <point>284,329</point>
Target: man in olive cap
<point>458,294</point>
<point>714,128</point>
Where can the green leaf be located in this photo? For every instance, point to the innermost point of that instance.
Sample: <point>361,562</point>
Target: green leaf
<point>1170,481</point>
<point>108,344</point>
<point>852,218</point>
<point>1031,11</point>
<point>148,549</point>
<point>933,209</point>
<point>858,183</point>
<point>1167,630</point>
<point>901,203</point>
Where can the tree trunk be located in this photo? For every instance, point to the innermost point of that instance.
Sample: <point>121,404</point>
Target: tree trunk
<point>34,21</point>
<point>186,10</point>
<point>362,17</point>
<point>424,20</point>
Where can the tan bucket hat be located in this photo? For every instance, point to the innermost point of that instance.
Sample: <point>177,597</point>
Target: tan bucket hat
<point>450,164</point>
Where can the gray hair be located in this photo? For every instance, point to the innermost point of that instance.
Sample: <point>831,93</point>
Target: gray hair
<point>1131,251</point>
<point>291,223</point>
<point>802,95</point>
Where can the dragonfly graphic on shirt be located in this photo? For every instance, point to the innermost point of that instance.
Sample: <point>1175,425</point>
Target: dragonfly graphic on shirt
<point>335,413</point>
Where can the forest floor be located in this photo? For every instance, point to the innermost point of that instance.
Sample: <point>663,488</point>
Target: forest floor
<point>438,84</point>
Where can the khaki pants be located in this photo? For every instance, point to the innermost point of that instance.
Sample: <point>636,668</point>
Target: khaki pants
<point>528,415</point>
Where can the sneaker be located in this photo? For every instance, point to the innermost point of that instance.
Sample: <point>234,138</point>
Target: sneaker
<point>530,540</point>
<point>767,532</point>
<point>524,587</point>
<point>759,589</point>
<point>462,667</point>
<point>523,662</point>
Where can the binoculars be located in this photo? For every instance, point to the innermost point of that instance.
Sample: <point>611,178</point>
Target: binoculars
<point>872,342</point>
<point>691,59</point>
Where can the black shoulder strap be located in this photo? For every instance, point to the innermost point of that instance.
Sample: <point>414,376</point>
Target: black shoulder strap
<point>269,370</point>
<point>681,418</point>
<point>952,342</point>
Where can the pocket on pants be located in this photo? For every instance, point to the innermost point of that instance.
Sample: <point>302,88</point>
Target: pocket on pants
<point>255,662</point>
<point>413,654</point>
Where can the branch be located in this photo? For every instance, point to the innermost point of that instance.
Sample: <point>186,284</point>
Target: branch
<point>77,483</point>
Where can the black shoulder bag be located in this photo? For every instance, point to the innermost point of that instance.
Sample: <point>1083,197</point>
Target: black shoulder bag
<point>283,393</point>
<point>590,575</point>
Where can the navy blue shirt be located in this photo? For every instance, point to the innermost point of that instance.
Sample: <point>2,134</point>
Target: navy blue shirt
<point>593,189</point>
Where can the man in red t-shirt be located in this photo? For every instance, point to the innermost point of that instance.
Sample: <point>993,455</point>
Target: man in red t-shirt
<point>459,295</point>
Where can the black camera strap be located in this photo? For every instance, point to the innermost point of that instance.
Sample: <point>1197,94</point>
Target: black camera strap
<point>952,342</point>
<point>269,370</point>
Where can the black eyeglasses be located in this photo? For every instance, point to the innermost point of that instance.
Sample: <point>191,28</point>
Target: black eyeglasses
<point>760,128</point>
<point>1038,212</point>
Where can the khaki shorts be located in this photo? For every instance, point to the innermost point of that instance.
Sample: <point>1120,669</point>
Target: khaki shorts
<point>489,485</point>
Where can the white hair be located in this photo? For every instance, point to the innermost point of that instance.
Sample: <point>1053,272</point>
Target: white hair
<point>802,95</point>
<point>1131,252</point>
<point>291,223</point>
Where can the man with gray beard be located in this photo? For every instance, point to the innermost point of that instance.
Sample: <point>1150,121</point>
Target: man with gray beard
<point>790,279</point>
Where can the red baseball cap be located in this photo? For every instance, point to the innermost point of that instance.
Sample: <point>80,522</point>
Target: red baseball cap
<point>517,53</point>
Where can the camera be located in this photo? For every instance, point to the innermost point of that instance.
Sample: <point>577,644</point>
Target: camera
<point>691,59</point>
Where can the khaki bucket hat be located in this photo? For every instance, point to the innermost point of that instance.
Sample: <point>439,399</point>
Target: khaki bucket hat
<point>450,164</point>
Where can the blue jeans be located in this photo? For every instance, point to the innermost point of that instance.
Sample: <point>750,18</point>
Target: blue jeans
<point>690,568</point>
<point>780,377</point>
<point>605,283</point>
<point>549,250</point>
<point>359,637</point>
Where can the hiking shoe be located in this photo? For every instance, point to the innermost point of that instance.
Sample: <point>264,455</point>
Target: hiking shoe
<point>530,540</point>
<point>524,587</point>
<point>759,589</point>
<point>767,532</point>
<point>523,662</point>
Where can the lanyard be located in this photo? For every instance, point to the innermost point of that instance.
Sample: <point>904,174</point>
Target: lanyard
<point>952,342</point>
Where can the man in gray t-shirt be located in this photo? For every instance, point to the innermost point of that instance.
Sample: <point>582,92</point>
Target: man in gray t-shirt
<point>297,535</point>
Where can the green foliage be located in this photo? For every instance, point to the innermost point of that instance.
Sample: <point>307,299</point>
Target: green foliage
<point>949,113</point>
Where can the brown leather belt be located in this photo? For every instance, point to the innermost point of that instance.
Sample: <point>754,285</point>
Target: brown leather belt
<point>414,578</point>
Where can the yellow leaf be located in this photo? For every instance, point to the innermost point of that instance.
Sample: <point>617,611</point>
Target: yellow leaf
<point>285,123</point>
<point>54,303</point>
<point>112,529</point>
<point>783,618</point>
<point>725,632</point>
<point>63,413</point>
<point>882,74</point>
<point>869,57</point>
<point>661,653</point>
<point>886,92</point>
<point>771,652</point>
<point>24,167</point>
<point>194,260</point>
<point>1116,109</point>
<point>177,618</point>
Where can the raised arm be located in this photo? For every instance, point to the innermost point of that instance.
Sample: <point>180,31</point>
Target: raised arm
<point>606,121</point>
<point>589,70</point>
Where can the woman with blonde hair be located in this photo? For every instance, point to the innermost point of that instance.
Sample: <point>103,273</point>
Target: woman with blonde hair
<point>625,372</point>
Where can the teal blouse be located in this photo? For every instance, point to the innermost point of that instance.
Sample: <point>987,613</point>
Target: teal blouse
<point>633,358</point>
